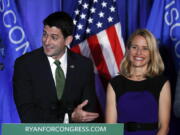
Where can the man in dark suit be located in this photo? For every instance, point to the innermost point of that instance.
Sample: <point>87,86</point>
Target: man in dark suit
<point>34,79</point>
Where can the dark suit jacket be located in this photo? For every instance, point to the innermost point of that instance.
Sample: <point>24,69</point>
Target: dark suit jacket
<point>35,92</point>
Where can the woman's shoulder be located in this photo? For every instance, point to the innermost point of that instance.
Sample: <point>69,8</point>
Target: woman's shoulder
<point>117,78</point>
<point>160,78</point>
<point>158,81</point>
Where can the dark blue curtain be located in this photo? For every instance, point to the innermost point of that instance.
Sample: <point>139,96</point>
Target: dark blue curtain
<point>133,14</point>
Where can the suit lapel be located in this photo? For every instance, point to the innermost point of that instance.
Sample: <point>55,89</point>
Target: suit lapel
<point>71,71</point>
<point>45,70</point>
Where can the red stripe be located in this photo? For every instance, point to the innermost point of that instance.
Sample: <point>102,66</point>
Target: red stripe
<point>76,49</point>
<point>98,57</point>
<point>115,44</point>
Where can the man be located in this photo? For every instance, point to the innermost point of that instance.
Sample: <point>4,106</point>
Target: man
<point>38,94</point>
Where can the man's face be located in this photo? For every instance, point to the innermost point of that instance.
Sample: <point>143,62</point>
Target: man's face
<point>54,42</point>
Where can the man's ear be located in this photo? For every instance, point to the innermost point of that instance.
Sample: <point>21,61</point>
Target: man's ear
<point>68,40</point>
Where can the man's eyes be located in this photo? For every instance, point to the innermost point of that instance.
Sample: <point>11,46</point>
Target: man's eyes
<point>54,37</point>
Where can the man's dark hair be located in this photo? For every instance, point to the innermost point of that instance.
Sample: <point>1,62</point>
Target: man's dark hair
<point>62,21</point>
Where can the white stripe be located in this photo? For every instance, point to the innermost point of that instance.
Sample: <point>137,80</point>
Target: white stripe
<point>84,48</point>
<point>118,31</point>
<point>107,53</point>
<point>85,51</point>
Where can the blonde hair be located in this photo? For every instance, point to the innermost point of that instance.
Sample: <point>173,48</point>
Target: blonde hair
<point>155,65</point>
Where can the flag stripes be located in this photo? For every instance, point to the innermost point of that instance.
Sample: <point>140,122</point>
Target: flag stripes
<point>106,49</point>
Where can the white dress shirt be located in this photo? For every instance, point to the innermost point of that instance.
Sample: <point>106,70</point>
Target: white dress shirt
<point>63,65</point>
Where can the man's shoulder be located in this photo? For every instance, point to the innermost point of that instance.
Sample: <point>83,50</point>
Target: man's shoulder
<point>31,55</point>
<point>79,57</point>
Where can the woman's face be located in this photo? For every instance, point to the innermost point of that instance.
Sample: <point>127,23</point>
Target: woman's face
<point>139,54</point>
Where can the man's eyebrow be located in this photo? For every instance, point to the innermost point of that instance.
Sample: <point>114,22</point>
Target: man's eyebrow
<point>54,34</point>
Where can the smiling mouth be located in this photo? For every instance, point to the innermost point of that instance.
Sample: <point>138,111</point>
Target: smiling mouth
<point>139,58</point>
<point>48,47</point>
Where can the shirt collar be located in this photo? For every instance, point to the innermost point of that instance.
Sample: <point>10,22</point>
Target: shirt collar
<point>63,59</point>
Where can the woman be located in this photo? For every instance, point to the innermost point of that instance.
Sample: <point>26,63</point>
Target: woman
<point>140,96</point>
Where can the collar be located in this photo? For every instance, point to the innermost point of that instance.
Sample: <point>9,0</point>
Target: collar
<point>63,59</point>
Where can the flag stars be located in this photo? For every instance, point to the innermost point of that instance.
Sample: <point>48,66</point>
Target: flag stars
<point>88,30</point>
<point>99,24</point>
<point>101,14</point>
<point>104,4</point>
<point>77,36</point>
<point>110,19</point>
<point>112,9</point>
<point>80,2</point>
<point>83,16</point>
<point>76,12</point>
<point>93,10</point>
<point>85,6</point>
<point>90,20</point>
<point>74,22</point>
<point>80,26</point>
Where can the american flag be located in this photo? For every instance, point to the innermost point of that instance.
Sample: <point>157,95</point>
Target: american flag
<point>97,35</point>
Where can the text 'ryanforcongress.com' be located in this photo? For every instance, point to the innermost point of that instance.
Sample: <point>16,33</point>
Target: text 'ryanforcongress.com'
<point>58,129</point>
